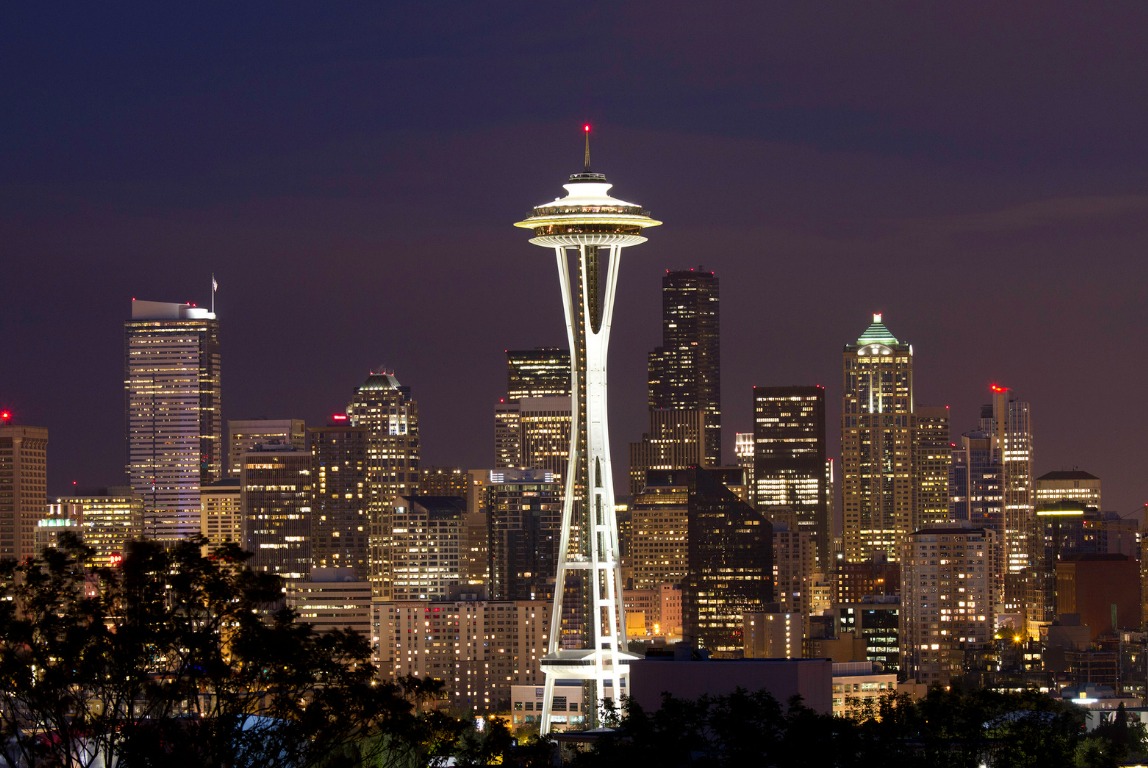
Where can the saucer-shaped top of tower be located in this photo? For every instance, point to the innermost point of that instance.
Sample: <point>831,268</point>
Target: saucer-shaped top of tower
<point>588,216</point>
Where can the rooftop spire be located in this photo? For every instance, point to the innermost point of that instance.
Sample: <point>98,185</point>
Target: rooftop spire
<point>586,162</point>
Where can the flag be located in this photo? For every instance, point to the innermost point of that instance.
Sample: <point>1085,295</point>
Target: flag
<point>214,284</point>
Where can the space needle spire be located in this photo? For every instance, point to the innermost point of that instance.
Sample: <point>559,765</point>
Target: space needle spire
<point>587,229</point>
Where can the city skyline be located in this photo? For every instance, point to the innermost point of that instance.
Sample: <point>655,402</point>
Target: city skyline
<point>995,220</point>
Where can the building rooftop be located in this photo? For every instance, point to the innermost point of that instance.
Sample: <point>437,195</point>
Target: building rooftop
<point>1068,474</point>
<point>876,333</point>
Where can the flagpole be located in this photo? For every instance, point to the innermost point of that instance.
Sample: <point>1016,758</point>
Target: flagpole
<point>213,285</point>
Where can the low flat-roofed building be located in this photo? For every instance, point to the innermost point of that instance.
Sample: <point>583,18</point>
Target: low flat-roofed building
<point>567,713</point>
<point>690,678</point>
<point>858,686</point>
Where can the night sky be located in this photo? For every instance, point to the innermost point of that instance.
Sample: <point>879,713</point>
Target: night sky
<point>351,172</point>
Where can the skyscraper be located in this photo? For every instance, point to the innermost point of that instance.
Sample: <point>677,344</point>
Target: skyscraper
<point>537,372</point>
<point>1007,422</point>
<point>877,444</point>
<point>589,228</point>
<point>729,563</point>
<point>532,423</point>
<point>789,460</point>
<point>947,600</point>
<point>932,456</point>
<point>385,409</point>
<point>174,425</point>
<point>685,371</point>
<point>524,518</point>
<point>278,488</point>
<point>23,486</point>
<point>340,527</point>
<point>675,441</point>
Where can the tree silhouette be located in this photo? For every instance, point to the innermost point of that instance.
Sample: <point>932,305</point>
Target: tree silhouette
<point>177,659</point>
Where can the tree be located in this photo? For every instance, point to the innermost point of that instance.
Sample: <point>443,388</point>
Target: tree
<point>178,659</point>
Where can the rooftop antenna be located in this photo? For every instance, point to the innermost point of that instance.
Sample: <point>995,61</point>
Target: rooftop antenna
<point>586,162</point>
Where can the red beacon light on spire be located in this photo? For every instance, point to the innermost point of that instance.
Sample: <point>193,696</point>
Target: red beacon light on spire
<point>586,127</point>
<point>5,416</point>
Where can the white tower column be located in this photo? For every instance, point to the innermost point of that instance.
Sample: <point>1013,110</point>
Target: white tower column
<point>587,230</point>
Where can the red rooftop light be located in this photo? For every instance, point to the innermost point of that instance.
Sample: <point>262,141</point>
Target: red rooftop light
<point>5,416</point>
<point>338,417</point>
<point>998,388</point>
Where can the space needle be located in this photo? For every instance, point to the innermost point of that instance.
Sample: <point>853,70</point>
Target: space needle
<point>588,230</point>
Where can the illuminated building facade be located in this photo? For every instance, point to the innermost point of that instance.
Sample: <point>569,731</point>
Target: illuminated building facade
<point>477,648</point>
<point>278,489</point>
<point>174,426</point>
<point>675,441</point>
<point>587,231</point>
<point>245,435</point>
<point>743,455</point>
<point>545,433</point>
<point>877,444</point>
<point>794,566</point>
<point>539,372</point>
<point>221,509</point>
<point>685,371</point>
<point>23,486</point>
<point>106,521</point>
<point>932,457</point>
<point>340,523</point>
<point>789,460</point>
<point>543,372</point>
<point>1008,423</point>
<point>390,416</point>
<point>1067,485</point>
<point>659,530</point>
<point>333,598</point>
<point>524,518</point>
<point>947,600</point>
<point>878,622</point>
<point>424,538</point>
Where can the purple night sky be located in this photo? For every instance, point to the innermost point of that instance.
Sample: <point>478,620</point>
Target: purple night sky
<point>350,173</point>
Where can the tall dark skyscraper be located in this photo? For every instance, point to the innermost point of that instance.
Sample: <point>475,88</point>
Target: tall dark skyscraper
<point>174,425</point>
<point>789,459</point>
<point>685,371</point>
<point>340,527</point>
<point>730,563</point>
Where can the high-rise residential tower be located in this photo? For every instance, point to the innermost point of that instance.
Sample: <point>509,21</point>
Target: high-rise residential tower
<point>789,460</point>
<point>174,425</point>
<point>23,486</point>
<point>587,231</point>
<point>685,371</point>
<point>877,444</point>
